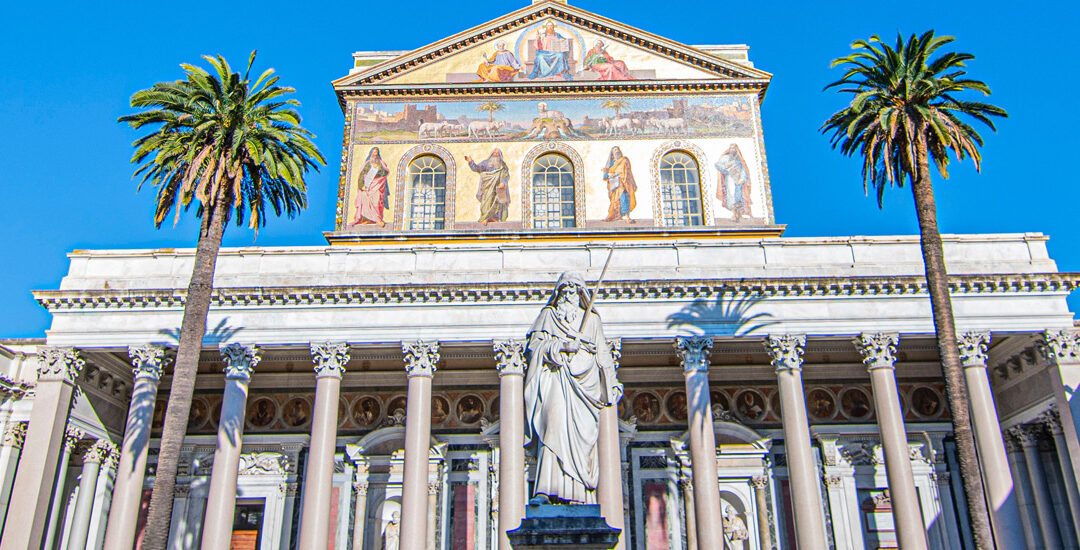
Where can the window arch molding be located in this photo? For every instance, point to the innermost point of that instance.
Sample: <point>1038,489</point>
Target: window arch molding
<point>526,180</point>
<point>703,178</point>
<point>402,182</point>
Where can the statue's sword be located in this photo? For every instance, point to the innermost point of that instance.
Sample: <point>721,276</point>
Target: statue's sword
<point>596,290</point>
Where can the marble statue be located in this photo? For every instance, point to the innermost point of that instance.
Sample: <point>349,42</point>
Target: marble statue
<point>392,532</point>
<point>734,529</point>
<point>570,377</point>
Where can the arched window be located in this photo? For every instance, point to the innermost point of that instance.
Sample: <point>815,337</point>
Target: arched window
<point>426,203</point>
<point>553,191</point>
<point>680,190</point>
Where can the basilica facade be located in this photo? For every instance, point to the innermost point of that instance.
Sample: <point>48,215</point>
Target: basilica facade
<point>367,394</point>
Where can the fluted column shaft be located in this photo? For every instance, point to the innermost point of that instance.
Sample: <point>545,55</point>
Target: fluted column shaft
<point>34,481</point>
<point>761,503</point>
<point>80,521</point>
<point>1052,420</point>
<point>879,356</point>
<point>1027,437</point>
<point>694,353</point>
<point>609,488</point>
<point>221,497</point>
<point>420,361</point>
<point>510,361</point>
<point>72,437</point>
<point>787,357</point>
<point>148,363</point>
<point>330,360</point>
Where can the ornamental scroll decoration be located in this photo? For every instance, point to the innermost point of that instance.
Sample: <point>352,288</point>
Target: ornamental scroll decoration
<point>60,364</point>
<point>330,358</point>
<point>240,360</point>
<point>147,361</point>
<point>973,348</point>
<point>786,351</point>
<point>509,356</point>
<point>878,350</point>
<point>421,358</point>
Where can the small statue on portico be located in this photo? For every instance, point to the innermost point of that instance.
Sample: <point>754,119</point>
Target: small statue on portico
<point>734,529</point>
<point>570,377</point>
<point>392,532</point>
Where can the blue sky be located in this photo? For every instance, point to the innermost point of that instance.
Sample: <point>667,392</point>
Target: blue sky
<point>68,70</point>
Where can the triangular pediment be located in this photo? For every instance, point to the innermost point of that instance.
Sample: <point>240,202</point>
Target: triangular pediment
<point>553,44</point>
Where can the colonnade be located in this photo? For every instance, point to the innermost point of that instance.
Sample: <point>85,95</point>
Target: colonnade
<point>43,436</point>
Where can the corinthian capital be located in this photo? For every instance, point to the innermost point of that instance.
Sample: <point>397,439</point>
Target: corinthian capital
<point>421,357</point>
<point>62,364</point>
<point>330,358</point>
<point>15,435</point>
<point>240,360</point>
<point>99,452</point>
<point>973,348</point>
<point>509,356</point>
<point>878,350</point>
<point>1051,418</point>
<point>72,436</point>
<point>694,352</point>
<point>147,361</point>
<point>615,345</point>
<point>1062,345</point>
<point>786,351</point>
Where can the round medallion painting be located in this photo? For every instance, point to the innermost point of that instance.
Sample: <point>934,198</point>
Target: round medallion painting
<point>676,406</point>
<point>198,415</point>
<point>750,405</point>
<point>926,402</point>
<point>469,409</point>
<point>855,403</point>
<point>365,411</point>
<point>820,404</point>
<point>440,409</point>
<point>646,407</point>
<point>296,412</point>
<point>396,404</point>
<point>261,412</point>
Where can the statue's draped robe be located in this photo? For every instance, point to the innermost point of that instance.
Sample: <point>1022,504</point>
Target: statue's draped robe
<point>563,396</point>
<point>493,191</point>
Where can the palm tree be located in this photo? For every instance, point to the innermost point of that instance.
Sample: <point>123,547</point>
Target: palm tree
<point>233,147</point>
<point>615,105</point>
<point>904,113</point>
<point>490,107</point>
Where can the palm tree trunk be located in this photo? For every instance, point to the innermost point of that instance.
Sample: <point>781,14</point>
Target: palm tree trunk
<point>192,330</point>
<point>937,280</point>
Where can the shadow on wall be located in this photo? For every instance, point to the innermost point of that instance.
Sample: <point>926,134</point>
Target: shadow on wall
<point>220,334</point>
<point>723,316</point>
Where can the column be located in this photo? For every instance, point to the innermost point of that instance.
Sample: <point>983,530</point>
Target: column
<point>420,363</point>
<point>432,506</point>
<point>1062,349</point>
<point>510,362</point>
<point>148,363</point>
<point>80,521</point>
<point>360,487</point>
<point>34,480</point>
<point>1024,496</point>
<point>786,352</point>
<point>1028,438</point>
<point>240,361</point>
<point>609,486</point>
<point>694,353</point>
<point>1000,493</point>
<point>330,360</point>
<point>687,489</point>
<point>1052,420</point>
<point>10,453</point>
<point>72,437</point>
<point>99,515</point>
<point>761,503</point>
<point>879,356</point>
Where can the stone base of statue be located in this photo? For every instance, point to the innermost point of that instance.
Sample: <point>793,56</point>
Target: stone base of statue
<point>568,526</point>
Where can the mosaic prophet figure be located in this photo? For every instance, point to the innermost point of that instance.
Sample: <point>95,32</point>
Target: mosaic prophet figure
<point>570,377</point>
<point>501,66</point>
<point>371,198</point>
<point>552,54</point>
<point>620,185</point>
<point>609,68</point>
<point>492,190</point>
<point>733,178</point>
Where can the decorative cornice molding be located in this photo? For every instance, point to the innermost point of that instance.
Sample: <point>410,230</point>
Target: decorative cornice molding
<point>147,361</point>
<point>63,364</point>
<point>686,289</point>
<point>509,356</point>
<point>421,358</point>
<point>878,350</point>
<point>973,348</point>
<point>694,352</point>
<point>786,351</point>
<point>13,388</point>
<point>240,360</point>
<point>330,358</point>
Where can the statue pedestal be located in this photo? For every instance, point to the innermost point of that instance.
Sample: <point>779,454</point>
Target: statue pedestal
<point>567,526</point>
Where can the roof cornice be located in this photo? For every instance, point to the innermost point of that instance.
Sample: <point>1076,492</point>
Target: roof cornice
<point>357,295</point>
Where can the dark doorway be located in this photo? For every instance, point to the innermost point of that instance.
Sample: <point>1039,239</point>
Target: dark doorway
<point>247,524</point>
